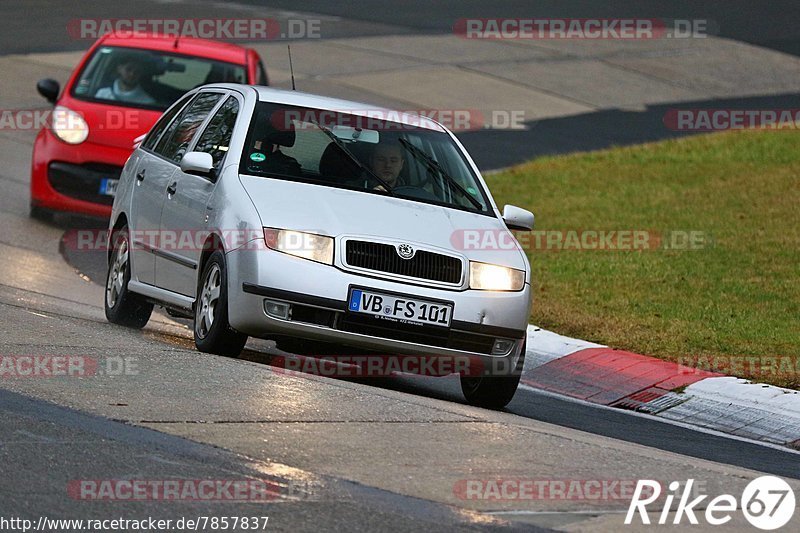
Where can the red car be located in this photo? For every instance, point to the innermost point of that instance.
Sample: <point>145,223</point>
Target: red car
<point>120,88</point>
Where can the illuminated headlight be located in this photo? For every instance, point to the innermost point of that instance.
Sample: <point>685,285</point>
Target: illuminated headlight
<point>486,277</point>
<point>69,126</point>
<point>317,248</point>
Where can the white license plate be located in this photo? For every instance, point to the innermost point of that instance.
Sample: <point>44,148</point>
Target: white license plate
<point>400,308</point>
<point>108,186</point>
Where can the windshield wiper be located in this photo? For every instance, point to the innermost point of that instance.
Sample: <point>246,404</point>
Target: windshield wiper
<point>343,147</point>
<point>434,165</point>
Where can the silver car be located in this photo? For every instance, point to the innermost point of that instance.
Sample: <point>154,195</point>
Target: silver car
<point>320,222</point>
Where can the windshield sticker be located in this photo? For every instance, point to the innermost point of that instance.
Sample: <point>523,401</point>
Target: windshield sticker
<point>258,157</point>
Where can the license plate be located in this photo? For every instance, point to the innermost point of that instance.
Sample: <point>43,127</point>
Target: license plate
<point>400,308</point>
<point>108,186</point>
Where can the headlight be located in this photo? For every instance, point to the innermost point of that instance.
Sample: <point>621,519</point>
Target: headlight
<point>486,277</point>
<point>317,248</point>
<point>69,126</point>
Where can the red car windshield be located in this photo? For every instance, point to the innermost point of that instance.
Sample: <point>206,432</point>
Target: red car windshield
<point>147,78</point>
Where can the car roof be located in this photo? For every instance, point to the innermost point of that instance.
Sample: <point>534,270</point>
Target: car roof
<point>326,103</point>
<point>192,46</point>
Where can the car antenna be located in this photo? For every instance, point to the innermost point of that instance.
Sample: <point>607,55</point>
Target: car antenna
<point>175,44</point>
<point>291,69</point>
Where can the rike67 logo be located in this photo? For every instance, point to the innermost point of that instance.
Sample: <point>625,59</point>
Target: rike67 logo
<point>767,503</point>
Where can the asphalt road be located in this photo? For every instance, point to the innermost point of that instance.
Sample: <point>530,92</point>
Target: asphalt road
<point>45,447</point>
<point>771,24</point>
<point>361,455</point>
<point>640,429</point>
<point>593,123</point>
<point>35,25</point>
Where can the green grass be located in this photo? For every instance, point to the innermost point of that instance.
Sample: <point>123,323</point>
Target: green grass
<point>736,300</point>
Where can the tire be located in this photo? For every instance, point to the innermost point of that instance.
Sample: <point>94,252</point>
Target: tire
<point>41,214</point>
<point>122,306</point>
<point>212,332</point>
<point>493,391</point>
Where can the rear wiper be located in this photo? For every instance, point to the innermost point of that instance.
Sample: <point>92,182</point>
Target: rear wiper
<point>343,146</point>
<point>434,165</point>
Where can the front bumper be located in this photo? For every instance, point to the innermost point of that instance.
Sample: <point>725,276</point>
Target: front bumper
<point>318,295</point>
<point>67,178</point>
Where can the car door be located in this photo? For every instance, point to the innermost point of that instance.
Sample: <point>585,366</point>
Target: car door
<point>152,174</point>
<point>174,263</point>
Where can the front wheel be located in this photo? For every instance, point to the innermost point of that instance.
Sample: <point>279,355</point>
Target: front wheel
<point>122,306</point>
<point>212,332</point>
<point>494,391</point>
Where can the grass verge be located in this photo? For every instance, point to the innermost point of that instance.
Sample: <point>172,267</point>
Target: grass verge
<point>730,302</point>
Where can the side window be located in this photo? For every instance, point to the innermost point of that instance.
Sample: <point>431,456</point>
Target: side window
<point>156,131</point>
<point>217,136</point>
<point>261,74</point>
<point>180,132</point>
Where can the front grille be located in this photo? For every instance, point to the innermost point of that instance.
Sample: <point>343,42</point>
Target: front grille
<point>432,336</point>
<point>384,258</point>
<point>82,181</point>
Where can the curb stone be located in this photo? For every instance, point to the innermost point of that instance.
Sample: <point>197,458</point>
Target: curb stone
<point>616,378</point>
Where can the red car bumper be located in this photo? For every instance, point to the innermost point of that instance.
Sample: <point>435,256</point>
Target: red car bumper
<point>69,177</point>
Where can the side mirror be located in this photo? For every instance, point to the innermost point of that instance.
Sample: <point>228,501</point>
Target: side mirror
<point>517,218</point>
<point>49,88</point>
<point>198,163</point>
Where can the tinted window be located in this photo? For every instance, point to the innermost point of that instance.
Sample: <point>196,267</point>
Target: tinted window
<point>148,78</point>
<point>181,131</point>
<point>217,136</point>
<point>156,131</point>
<point>368,153</point>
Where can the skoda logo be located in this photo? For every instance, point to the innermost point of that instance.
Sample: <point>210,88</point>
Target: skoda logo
<point>405,251</point>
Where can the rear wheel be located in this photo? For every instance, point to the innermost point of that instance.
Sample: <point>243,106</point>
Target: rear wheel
<point>122,306</point>
<point>212,332</point>
<point>494,391</point>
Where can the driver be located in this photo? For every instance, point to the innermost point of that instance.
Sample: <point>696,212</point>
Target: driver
<point>387,162</point>
<point>127,88</point>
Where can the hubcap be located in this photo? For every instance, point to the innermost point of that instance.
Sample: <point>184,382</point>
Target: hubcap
<point>207,305</point>
<point>116,274</point>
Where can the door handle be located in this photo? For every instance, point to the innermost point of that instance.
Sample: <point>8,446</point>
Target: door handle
<point>172,188</point>
<point>140,176</point>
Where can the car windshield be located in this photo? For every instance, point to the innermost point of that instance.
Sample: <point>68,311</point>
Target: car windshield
<point>147,78</point>
<point>367,153</point>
